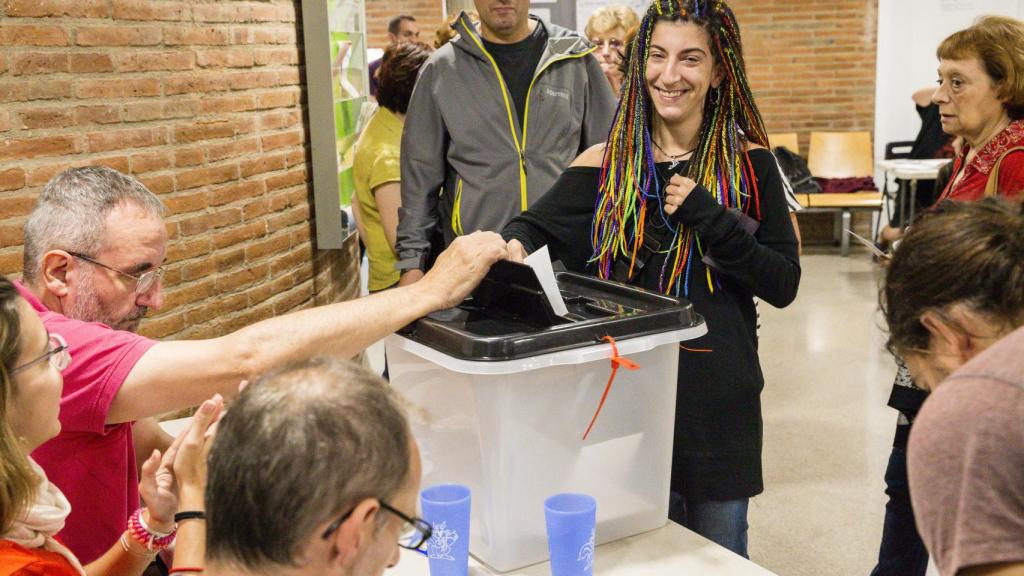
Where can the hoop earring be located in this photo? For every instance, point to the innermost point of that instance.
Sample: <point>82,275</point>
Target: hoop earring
<point>714,95</point>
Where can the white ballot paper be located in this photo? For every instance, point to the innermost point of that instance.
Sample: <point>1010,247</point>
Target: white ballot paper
<point>867,243</point>
<point>540,261</point>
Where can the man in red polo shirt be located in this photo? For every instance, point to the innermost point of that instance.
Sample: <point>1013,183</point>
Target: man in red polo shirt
<point>94,248</point>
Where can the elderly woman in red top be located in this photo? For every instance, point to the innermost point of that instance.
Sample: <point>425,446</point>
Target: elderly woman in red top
<point>981,98</point>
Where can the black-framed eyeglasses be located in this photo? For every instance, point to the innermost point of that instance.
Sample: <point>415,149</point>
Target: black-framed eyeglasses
<point>56,353</point>
<point>143,282</point>
<point>414,534</point>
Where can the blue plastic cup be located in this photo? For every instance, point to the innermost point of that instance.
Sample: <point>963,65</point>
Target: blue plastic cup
<point>446,507</point>
<point>570,521</point>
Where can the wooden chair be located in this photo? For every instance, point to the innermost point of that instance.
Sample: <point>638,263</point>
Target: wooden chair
<point>842,155</point>
<point>787,139</point>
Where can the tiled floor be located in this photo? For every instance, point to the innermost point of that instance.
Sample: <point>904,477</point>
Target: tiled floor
<point>827,428</point>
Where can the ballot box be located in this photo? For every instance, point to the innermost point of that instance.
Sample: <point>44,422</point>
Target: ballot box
<point>501,393</point>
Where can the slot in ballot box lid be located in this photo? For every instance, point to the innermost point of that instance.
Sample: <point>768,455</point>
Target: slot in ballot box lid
<point>508,316</point>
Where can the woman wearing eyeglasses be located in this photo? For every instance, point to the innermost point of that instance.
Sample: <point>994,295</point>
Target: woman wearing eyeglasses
<point>607,29</point>
<point>32,511</point>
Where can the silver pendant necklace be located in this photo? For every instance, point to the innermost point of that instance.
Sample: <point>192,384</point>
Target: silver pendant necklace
<point>675,159</point>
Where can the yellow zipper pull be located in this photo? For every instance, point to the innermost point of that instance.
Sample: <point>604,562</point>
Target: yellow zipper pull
<point>522,160</point>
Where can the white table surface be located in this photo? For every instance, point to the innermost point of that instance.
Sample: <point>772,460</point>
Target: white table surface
<point>670,550</point>
<point>907,169</point>
<point>912,170</point>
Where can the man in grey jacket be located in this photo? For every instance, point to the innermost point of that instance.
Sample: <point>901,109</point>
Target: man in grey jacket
<point>496,116</point>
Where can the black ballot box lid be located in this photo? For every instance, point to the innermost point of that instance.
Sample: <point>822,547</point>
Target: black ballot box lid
<point>508,316</point>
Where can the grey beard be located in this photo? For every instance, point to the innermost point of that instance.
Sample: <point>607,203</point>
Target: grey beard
<point>88,308</point>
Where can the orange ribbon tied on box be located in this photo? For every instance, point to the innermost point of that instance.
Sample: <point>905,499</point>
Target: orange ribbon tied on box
<point>617,361</point>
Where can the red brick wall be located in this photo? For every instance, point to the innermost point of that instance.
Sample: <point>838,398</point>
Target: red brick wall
<point>811,63</point>
<point>203,102</point>
<point>812,67</point>
<point>426,12</point>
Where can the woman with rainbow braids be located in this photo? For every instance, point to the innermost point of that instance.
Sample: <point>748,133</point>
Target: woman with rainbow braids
<point>684,198</point>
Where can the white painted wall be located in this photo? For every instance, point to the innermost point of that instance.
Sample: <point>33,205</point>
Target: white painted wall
<point>909,31</point>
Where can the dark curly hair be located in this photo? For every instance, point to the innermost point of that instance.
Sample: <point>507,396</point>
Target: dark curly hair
<point>397,74</point>
<point>959,252</point>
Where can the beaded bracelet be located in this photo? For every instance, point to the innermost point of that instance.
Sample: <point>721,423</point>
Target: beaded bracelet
<point>149,538</point>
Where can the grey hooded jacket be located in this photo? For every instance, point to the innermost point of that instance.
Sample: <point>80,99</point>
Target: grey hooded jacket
<point>467,162</point>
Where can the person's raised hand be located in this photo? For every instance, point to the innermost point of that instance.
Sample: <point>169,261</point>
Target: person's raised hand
<point>462,265</point>
<point>190,461</point>
<point>516,252</point>
<point>158,488</point>
<point>676,192</point>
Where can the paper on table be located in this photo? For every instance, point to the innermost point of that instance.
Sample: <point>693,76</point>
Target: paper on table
<point>922,163</point>
<point>540,261</point>
<point>870,245</point>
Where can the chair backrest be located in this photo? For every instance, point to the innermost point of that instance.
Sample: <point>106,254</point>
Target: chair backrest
<point>787,139</point>
<point>840,154</point>
<point>899,149</point>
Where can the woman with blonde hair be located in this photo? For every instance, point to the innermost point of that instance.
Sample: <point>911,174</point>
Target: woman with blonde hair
<point>608,29</point>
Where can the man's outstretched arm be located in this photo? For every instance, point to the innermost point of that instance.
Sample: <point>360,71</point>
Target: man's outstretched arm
<point>176,375</point>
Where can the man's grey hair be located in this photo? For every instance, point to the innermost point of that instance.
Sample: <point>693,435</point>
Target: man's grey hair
<point>71,212</point>
<point>300,447</point>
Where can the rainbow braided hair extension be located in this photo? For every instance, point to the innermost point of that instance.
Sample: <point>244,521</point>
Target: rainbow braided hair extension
<point>720,162</point>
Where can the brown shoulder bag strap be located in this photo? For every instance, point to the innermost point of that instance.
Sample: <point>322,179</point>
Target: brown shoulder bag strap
<point>992,186</point>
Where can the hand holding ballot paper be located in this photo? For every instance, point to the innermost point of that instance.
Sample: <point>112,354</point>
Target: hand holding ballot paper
<point>540,261</point>
<point>461,267</point>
